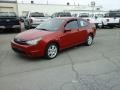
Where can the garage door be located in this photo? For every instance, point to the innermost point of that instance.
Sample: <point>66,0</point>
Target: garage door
<point>6,9</point>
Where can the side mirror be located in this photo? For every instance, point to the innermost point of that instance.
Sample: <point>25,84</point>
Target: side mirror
<point>67,30</point>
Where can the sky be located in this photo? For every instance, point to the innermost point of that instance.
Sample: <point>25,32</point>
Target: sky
<point>107,4</point>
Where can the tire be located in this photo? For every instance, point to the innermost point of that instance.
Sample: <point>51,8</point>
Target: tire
<point>101,26</point>
<point>51,51</point>
<point>89,40</point>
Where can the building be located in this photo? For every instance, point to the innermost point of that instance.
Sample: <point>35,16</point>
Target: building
<point>22,8</point>
<point>51,8</point>
<point>8,6</point>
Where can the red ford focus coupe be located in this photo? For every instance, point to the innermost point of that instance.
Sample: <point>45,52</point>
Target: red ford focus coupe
<point>52,36</point>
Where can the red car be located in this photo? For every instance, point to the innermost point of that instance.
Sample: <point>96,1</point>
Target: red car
<point>54,35</point>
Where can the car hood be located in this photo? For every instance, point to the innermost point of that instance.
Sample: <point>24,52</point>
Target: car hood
<point>32,34</point>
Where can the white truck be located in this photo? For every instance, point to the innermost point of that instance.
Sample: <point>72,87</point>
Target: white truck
<point>32,19</point>
<point>101,20</point>
<point>91,19</point>
<point>115,14</point>
<point>109,21</point>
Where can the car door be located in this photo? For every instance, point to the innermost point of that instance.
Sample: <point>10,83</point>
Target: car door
<point>83,28</point>
<point>70,34</point>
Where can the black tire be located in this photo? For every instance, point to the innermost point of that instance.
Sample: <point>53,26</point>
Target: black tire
<point>89,40</point>
<point>101,26</point>
<point>51,51</point>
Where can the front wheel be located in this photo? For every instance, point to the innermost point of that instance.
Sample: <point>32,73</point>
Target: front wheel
<point>100,25</point>
<point>89,40</point>
<point>51,51</point>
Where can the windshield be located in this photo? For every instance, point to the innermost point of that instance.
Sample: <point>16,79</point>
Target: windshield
<point>50,25</point>
<point>7,14</point>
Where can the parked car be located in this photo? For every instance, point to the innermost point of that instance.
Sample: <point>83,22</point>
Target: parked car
<point>61,14</point>
<point>9,20</point>
<point>54,35</point>
<point>32,19</point>
<point>116,14</point>
<point>101,20</point>
<point>92,19</point>
<point>110,21</point>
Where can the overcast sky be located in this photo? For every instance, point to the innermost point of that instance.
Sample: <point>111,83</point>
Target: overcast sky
<point>107,4</point>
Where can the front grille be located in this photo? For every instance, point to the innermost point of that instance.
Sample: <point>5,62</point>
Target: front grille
<point>20,41</point>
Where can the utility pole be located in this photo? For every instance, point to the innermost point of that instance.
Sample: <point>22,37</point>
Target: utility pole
<point>93,7</point>
<point>47,2</point>
<point>74,2</point>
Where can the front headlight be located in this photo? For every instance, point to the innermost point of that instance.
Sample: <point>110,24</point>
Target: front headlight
<point>33,42</point>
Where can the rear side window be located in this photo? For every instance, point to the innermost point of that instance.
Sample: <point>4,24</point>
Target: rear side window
<point>65,15</point>
<point>72,24</point>
<point>36,14</point>
<point>83,23</point>
<point>61,14</point>
<point>84,15</point>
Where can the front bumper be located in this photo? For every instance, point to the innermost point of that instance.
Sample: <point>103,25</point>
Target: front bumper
<point>111,24</point>
<point>27,50</point>
<point>11,27</point>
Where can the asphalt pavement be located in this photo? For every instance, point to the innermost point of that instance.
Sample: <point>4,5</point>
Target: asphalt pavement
<point>95,67</point>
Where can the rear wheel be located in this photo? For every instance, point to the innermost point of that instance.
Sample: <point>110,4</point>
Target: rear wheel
<point>89,40</point>
<point>51,51</point>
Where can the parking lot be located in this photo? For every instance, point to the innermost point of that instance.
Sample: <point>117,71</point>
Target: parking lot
<point>95,67</point>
